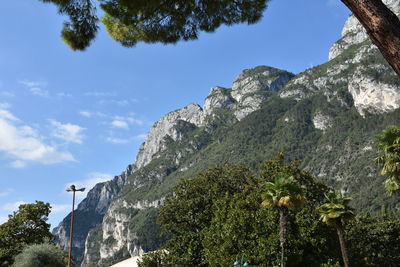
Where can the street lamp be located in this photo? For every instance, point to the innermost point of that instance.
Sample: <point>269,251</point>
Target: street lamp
<point>240,263</point>
<point>73,190</point>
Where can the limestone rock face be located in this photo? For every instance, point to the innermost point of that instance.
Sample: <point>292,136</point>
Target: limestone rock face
<point>259,79</point>
<point>155,141</point>
<point>115,234</point>
<point>321,121</point>
<point>372,96</point>
<point>89,213</point>
<point>354,33</point>
<point>249,88</point>
<point>245,97</point>
<point>219,98</point>
<point>356,75</point>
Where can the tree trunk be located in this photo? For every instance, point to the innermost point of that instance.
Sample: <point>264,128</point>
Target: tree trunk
<point>283,221</point>
<point>382,25</point>
<point>340,232</point>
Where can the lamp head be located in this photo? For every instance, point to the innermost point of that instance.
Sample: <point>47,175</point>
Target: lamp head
<point>71,188</point>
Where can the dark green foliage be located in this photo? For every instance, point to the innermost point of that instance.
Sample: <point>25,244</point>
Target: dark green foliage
<point>82,27</point>
<point>218,215</point>
<point>388,143</point>
<point>149,235</point>
<point>188,214</point>
<point>26,226</point>
<point>155,259</point>
<point>374,241</point>
<point>149,21</point>
<point>43,255</point>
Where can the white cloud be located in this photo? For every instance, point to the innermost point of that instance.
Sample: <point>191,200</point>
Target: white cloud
<point>114,140</point>
<point>23,143</point>
<point>6,193</point>
<point>18,164</point>
<point>39,91</point>
<point>4,105</point>
<point>99,94</point>
<point>118,140</point>
<point>85,113</point>
<point>13,206</point>
<point>124,122</point>
<point>134,121</point>
<point>92,179</point>
<point>6,115</point>
<point>67,132</point>
<point>118,123</point>
<point>140,136</point>
<point>118,102</point>
<point>7,94</point>
<point>121,103</point>
<point>32,83</point>
<point>60,208</point>
<point>35,88</point>
<point>62,94</point>
<point>89,114</point>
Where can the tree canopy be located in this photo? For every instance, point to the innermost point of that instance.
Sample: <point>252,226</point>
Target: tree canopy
<point>28,225</point>
<point>388,142</point>
<point>217,216</point>
<point>170,21</point>
<point>150,21</point>
<point>43,255</point>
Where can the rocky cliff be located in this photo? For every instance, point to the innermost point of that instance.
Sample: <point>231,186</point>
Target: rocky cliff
<point>89,214</point>
<point>325,116</point>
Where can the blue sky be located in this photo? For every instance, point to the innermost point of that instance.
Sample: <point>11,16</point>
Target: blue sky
<point>79,117</point>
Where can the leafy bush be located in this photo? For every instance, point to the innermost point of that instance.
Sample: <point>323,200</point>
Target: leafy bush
<point>43,255</point>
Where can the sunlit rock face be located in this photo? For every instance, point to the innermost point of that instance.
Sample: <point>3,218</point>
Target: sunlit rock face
<point>250,86</point>
<point>219,98</point>
<point>354,33</point>
<point>244,98</point>
<point>356,69</point>
<point>154,143</point>
<point>89,214</point>
<point>321,121</point>
<point>371,96</point>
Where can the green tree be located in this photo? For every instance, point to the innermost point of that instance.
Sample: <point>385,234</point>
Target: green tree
<point>389,144</point>
<point>188,211</point>
<point>28,225</point>
<point>217,215</point>
<point>43,255</point>
<point>149,21</point>
<point>374,241</point>
<point>285,194</point>
<point>337,212</point>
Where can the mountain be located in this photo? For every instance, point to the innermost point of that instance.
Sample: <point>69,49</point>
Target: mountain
<point>326,116</point>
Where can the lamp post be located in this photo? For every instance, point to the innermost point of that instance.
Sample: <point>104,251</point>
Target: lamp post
<point>241,263</point>
<point>73,190</point>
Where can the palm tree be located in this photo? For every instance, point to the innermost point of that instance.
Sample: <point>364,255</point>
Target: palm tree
<point>389,143</point>
<point>285,194</point>
<point>337,212</point>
